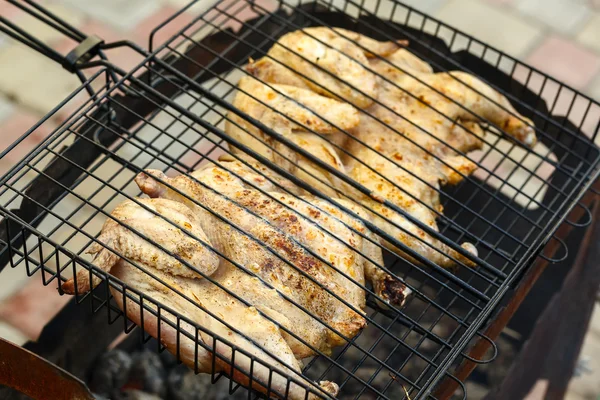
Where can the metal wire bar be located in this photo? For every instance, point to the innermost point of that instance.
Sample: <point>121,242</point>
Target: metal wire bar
<point>349,198</point>
<point>509,95</point>
<point>327,184</point>
<point>451,336</point>
<point>412,37</point>
<point>17,33</point>
<point>109,179</point>
<point>250,167</point>
<point>346,152</point>
<point>517,189</point>
<point>137,265</point>
<point>331,170</point>
<point>522,236</point>
<point>101,274</point>
<point>302,184</point>
<point>50,19</point>
<point>15,171</point>
<point>166,251</point>
<point>290,209</point>
<point>314,19</point>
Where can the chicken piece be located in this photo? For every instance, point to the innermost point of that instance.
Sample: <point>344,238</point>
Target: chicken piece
<point>199,300</point>
<point>271,294</point>
<point>389,289</point>
<point>272,71</point>
<point>413,156</point>
<point>278,107</point>
<point>177,240</point>
<point>305,233</point>
<point>438,111</point>
<point>415,125</point>
<point>331,63</point>
<point>406,181</point>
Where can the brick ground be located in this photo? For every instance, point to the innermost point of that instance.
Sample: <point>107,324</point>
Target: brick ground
<point>560,37</point>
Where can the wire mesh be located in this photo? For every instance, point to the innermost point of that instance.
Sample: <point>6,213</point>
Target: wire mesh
<point>169,114</point>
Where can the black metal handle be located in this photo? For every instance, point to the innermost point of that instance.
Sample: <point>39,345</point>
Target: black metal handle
<point>84,152</point>
<point>87,48</point>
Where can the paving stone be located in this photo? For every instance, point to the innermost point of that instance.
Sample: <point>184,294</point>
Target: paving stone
<point>145,27</point>
<point>425,6</point>
<point>565,16</point>
<point>538,391</point>
<point>587,385</point>
<point>594,88</point>
<point>6,110</point>
<point>4,41</point>
<point>196,9</point>
<point>12,334</point>
<point>501,2</point>
<point>590,35</point>
<point>43,32</point>
<point>492,25</point>
<point>12,128</point>
<point>122,14</point>
<point>562,101</point>
<point>32,79</point>
<point>566,61</point>
<point>13,280</point>
<point>32,307</point>
<point>7,10</point>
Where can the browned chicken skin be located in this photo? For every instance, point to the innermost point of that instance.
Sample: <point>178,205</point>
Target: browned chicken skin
<point>279,252</point>
<point>414,126</point>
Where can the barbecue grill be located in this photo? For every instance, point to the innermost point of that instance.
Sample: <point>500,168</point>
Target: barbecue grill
<point>168,113</point>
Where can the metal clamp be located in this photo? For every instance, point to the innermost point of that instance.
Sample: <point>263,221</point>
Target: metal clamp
<point>84,52</point>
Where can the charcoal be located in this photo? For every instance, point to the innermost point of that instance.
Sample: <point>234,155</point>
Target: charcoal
<point>110,372</point>
<point>147,373</point>
<point>132,394</point>
<point>185,385</point>
<point>168,359</point>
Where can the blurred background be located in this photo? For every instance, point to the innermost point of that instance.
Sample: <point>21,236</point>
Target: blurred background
<point>559,37</point>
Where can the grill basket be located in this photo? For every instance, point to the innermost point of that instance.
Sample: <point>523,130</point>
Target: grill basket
<point>168,113</point>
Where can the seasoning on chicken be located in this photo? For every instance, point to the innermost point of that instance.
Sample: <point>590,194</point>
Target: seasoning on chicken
<point>413,131</point>
<point>289,259</point>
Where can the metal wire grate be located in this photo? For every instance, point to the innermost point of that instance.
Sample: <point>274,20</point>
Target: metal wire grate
<point>169,114</point>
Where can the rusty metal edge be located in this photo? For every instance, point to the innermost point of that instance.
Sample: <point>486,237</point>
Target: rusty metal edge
<point>39,379</point>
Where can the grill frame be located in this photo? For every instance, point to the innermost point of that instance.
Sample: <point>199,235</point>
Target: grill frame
<point>151,60</point>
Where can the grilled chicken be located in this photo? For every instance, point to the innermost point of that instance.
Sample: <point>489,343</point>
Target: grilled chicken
<point>317,53</point>
<point>414,126</point>
<point>297,265</point>
<point>287,110</point>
